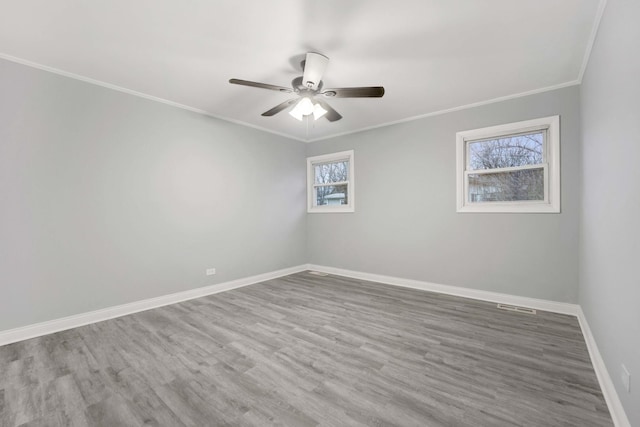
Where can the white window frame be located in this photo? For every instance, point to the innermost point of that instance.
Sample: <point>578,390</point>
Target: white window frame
<point>551,166</point>
<point>311,183</point>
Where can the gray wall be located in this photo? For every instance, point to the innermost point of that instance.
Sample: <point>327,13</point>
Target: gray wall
<point>108,198</point>
<point>610,227</point>
<point>406,225</point>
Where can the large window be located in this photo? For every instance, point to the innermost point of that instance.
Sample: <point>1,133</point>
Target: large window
<point>510,168</point>
<point>330,183</point>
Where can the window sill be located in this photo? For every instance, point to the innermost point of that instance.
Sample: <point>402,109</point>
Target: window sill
<point>346,209</point>
<point>513,207</point>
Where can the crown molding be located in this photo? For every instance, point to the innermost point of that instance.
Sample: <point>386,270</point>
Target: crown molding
<point>139,94</point>
<point>592,38</point>
<point>453,109</point>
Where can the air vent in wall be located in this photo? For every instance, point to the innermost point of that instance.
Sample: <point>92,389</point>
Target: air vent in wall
<point>516,308</point>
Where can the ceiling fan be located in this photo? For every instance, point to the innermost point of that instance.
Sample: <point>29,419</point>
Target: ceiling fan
<point>310,92</point>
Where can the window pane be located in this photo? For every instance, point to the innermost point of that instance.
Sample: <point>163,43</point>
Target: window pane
<point>512,186</point>
<point>332,195</point>
<point>506,152</point>
<point>331,172</point>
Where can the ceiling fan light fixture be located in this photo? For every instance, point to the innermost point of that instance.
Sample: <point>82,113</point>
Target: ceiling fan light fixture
<point>303,108</point>
<point>296,114</point>
<point>318,111</point>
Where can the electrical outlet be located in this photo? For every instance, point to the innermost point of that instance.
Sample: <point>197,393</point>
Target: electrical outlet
<point>626,379</point>
<point>210,271</point>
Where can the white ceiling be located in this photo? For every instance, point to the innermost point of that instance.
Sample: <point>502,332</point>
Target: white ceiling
<point>430,55</point>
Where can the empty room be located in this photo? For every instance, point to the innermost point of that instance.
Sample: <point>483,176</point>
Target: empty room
<point>304,213</point>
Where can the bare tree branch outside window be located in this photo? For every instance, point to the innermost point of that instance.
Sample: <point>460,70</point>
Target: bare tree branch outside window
<point>507,152</point>
<point>327,173</point>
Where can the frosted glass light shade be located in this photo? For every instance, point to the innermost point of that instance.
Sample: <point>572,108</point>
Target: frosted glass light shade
<point>296,114</point>
<point>318,111</point>
<point>306,107</point>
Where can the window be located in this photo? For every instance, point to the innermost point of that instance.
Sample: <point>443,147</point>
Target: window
<point>510,168</point>
<point>330,185</point>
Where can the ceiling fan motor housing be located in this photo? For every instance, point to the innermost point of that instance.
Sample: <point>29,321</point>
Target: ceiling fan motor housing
<point>314,67</point>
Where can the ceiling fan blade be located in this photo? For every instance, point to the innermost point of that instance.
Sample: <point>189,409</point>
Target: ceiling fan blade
<point>314,67</point>
<point>260,85</point>
<point>275,110</point>
<point>332,115</point>
<point>355,92</point>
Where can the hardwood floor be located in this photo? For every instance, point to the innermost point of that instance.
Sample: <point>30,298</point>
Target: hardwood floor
<point>305,350</point>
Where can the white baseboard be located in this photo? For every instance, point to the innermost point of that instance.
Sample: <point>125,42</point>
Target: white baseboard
<point>57,325</point>
<point>606,383</point>
<point>538,304</point>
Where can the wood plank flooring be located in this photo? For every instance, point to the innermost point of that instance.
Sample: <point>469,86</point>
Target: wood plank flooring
<point>305,350</point>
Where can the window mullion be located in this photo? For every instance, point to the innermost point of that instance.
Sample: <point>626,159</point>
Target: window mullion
<point>329,184</point>
<point>503,170</point>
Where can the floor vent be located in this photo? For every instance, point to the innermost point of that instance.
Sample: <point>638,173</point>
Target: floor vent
<point>318,273</point>
<point>516,308</point>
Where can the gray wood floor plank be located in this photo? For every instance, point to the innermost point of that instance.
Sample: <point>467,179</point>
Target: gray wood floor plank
<point>305,350</point>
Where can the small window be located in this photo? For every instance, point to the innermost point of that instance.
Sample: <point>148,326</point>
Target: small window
<point>510,168</point>
<point>330,183</point>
